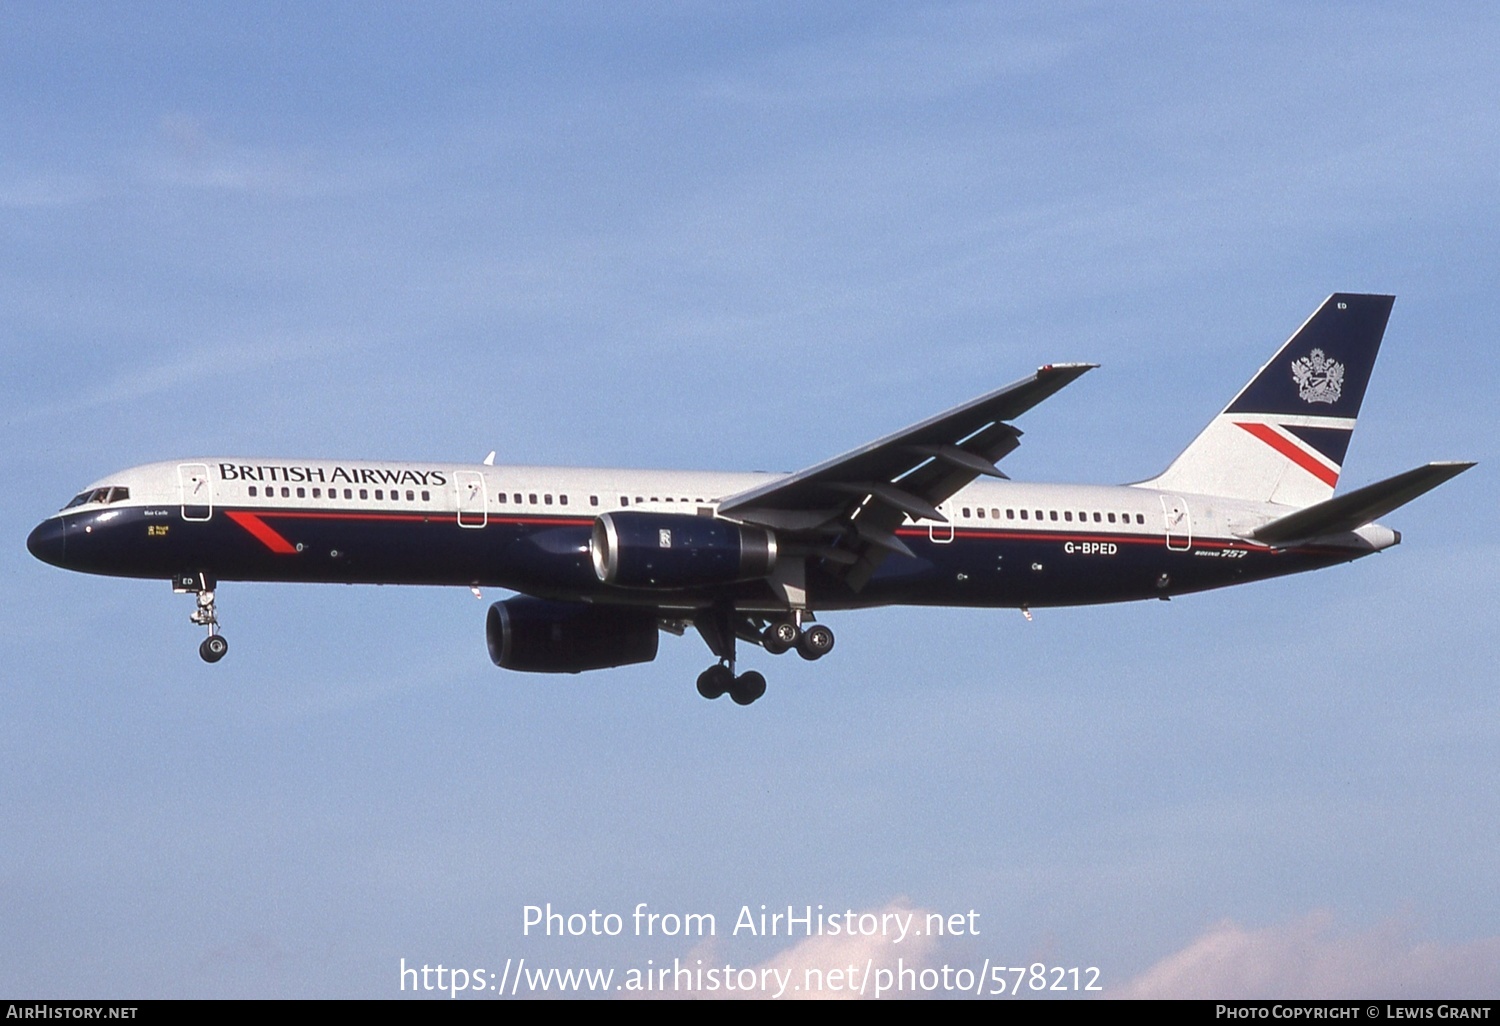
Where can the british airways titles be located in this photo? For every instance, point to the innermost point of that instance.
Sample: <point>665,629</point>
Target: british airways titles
<point>332,475</point>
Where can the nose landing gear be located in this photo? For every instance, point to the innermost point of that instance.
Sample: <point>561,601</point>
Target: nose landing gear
<point>201,586</point>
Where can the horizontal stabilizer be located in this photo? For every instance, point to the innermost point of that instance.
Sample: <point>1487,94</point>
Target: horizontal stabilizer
<point>1359,507</point>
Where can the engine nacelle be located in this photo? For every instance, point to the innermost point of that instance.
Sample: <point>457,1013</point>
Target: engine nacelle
<point>675,550</point>
<point>539,636</point>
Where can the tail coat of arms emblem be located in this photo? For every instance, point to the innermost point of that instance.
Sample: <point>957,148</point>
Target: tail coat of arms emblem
<point>1320,378</point>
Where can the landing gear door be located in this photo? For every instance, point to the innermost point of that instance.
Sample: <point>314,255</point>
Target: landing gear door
<point>197,491</point>
<point>473,509</point>
<point>1179,523</point>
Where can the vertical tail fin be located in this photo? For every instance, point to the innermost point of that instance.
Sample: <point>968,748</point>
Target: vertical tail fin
<point>1284,437</point>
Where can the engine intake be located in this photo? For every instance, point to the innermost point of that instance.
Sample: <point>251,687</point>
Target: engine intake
<point>539,636</point>
<point>673,550</point>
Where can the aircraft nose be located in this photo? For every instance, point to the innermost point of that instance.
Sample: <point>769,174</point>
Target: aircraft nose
<point>48,541</point>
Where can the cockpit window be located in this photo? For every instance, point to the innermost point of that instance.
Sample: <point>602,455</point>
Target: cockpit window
<point>113,493</point>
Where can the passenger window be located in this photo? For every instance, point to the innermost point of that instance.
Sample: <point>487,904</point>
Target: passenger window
<point>532,497</point>
<point>364,493</point>
<point>1053,514</point>
<point>378,496</point>
<point>562,500</point>
<point>1023,514</point>
<point>624,500</point>
<point>252,491</point>
<point>426,496</point>
<point>1140,518</point>
<point>317,493</point>
<point>1068,515</point>
<point>301,493</point>
<point>980,511</point>
<point>1010,514</point>
<point>548,499</point>
<point>593,500</point>
<point>410,497</point>
<point>1111,518</point>
<point>1096,518</point>
<point>286,493</point>
<point>966,511</point>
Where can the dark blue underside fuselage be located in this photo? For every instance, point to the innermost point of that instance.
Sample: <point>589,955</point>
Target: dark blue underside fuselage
<point>549,557</point>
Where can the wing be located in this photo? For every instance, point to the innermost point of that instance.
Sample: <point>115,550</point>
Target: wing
<point>855,502</point>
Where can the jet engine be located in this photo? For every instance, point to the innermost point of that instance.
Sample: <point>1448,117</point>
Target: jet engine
<point>539,636</point>
<point>674,550</point>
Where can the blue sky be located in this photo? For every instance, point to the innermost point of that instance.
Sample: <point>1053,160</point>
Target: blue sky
<point>742,237</point>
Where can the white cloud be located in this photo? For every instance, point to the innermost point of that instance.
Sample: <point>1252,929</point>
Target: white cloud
<point>919,58</point>
<point>48,191</point>
<point>838,967</point>
<point>195,363</point>
<point>1313,957</point>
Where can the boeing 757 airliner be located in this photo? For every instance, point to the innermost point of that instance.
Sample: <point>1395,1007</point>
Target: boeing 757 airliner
<point>603,561</point>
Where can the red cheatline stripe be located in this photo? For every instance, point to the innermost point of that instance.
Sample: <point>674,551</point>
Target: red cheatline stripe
<point>445,517</point>
<point>1284,446</point>
<point>1009,534</point>
<point>263,532</point>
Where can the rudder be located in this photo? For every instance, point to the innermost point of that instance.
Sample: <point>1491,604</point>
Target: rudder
<point>1284,436</point>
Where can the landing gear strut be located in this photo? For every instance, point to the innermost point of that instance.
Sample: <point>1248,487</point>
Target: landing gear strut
<point>201,586</point>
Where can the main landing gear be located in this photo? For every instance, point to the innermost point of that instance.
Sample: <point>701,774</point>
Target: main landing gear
<point>201,586</point>
<point>721,627</point>
<point>720,679</point>
<point>812,642</point>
